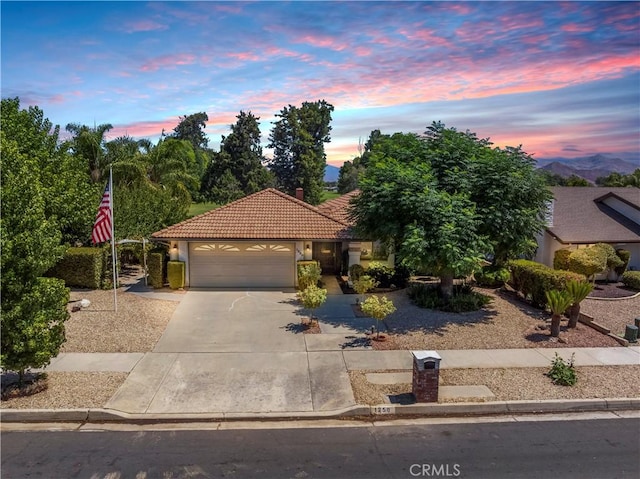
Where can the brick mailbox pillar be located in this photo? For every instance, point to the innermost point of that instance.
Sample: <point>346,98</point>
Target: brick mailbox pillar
<point>426,374</point>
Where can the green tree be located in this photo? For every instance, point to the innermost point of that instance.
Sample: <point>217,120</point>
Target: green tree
<point>575,180</point>
<point>238,169</point>
<point>298,139</point>
<point>191,128</point>
<point>619,179</point>
<point>378,308</point>
<point>71,198</point>
<point>34,308</point>
<point>312,298</point>
<point>351,171</point>
<point>447,200</point>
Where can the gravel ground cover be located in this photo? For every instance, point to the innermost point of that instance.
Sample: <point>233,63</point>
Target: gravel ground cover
<point>504,323</point>
<point>614,315</point>
<point>517,384</point>
<point>136,327</point>
<point>69,390</point>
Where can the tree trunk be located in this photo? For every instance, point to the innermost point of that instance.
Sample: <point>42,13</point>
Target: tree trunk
<point>555,325</point>
<point>446,285</point>
<point>574,314</point>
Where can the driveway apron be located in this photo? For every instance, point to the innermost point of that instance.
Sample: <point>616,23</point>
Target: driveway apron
<point>234,352</point>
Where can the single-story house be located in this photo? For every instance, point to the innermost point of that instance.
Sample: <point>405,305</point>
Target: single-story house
<point>580,217</point>
<point>257,240</point>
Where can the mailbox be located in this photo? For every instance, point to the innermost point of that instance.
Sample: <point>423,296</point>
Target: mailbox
<point>426,375</point>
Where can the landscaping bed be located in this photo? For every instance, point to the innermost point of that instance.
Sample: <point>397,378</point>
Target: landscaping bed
<point>136,327</point>
<point>505,323</point>
<point>68,390</point>
<point>611,290</point>
<point>614,315</point>
<point>515,384</point>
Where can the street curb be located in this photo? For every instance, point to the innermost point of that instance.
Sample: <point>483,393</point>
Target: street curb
<point>98,415</point>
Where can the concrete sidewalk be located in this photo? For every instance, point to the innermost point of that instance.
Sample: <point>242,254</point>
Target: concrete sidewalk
<point>369,360</point>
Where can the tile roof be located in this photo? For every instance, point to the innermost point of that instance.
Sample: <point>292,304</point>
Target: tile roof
<point>581,216</point>
<point>267,214</point>
<point>339,207</point>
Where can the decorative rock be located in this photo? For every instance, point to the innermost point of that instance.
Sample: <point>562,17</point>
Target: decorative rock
<point>85,303</point>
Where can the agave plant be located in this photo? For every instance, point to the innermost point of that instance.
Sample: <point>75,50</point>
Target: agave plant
<point>578,290</point>
<point>558,302</point>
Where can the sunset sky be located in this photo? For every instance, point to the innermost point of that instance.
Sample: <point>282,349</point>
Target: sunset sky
<point>562,79</point>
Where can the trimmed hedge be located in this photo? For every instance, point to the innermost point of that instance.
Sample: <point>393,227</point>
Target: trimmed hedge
<point>631,279</point>
<point>355,271</point>
<point>81,267</point>
<point>588,261</point>
<point>535,279</point>
<point>156,267</point>
<point>561,259</point>
<point>176,274</point>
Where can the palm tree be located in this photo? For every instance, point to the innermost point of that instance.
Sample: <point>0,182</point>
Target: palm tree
<point>88,143</point>
<point>578,290</point>
<point>558,302</point>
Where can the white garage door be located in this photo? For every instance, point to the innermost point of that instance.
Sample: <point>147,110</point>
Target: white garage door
<point>241,264</point>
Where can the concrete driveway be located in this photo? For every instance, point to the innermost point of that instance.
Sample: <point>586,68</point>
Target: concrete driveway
<point>238,352</point>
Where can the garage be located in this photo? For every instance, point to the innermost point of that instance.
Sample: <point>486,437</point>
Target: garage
<point>242,264</point>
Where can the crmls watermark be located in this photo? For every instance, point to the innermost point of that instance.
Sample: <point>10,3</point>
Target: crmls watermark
<point>434,470</point>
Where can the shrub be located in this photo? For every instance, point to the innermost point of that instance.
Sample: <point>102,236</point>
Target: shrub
<point>559,302</point>
<point>364,284</point>
<point>401,275</point>
<point>578,290</point>
<point>588,261</point>
<point>464,299</point>
<point>156,267</point>
<point>309,273</point>
<point>355,271</point>
<point>80,267</point>
<point>561,259</point>
<point>561,372</point>
<point>381,273</point>
<point>175,274</point>
<point>631,279</point>
<point>533,280</point>
<point>492,277</point>
<point>624,256</point>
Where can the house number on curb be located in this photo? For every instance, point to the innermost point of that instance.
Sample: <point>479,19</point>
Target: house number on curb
<point>383,409</point>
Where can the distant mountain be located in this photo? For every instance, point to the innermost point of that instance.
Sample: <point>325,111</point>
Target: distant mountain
<point>331,173</point>
<point>589,167</point>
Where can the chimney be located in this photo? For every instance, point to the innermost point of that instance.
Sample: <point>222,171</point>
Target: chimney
<point>300,194</point>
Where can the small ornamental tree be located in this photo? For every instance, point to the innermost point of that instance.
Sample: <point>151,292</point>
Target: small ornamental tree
<point>558,302</point>
<point>378,308</point>
<point>312,298</point>
<point>364,284</point>
<point>578,290</point>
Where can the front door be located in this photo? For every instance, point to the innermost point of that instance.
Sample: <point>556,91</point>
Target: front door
<point>328,255</point>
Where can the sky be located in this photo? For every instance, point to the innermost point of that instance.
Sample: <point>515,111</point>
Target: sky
<point>562,79</point>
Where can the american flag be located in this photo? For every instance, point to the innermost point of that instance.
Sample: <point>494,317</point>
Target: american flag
<point>102,226</point>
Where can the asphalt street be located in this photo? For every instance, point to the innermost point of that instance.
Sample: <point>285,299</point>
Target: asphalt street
<point>596,448</point>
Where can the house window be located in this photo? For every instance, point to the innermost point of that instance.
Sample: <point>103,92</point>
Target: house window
<point>205,247</point>
<point>228,247</point>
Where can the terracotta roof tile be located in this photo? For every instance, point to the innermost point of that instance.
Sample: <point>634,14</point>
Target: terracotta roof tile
<point>339,207</point>
<point>267,214</point>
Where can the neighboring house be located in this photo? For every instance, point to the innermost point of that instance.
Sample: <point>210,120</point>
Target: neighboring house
<point>256,241</point>
<point>582,216</point>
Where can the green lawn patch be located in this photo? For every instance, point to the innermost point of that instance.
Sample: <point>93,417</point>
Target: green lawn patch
<point>199,208</point>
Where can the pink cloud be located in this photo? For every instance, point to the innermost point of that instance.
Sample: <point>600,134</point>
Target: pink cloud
<point>576,28</point>
<point>168,61</point>
<point>143,26</point>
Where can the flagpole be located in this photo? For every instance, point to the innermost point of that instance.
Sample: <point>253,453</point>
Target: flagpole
<point>113,243</point>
